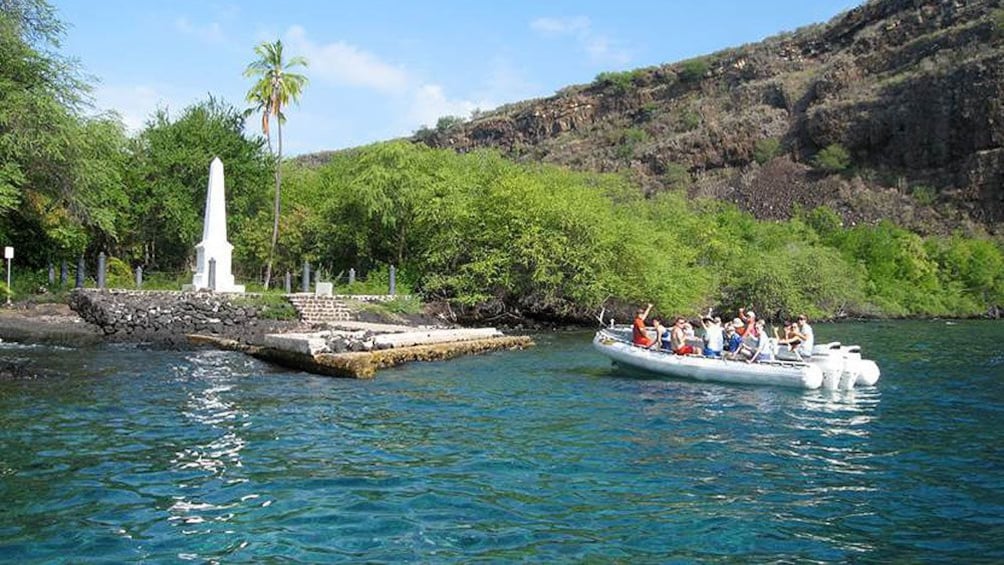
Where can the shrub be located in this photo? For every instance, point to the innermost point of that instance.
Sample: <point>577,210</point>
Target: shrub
<point>446,123</point>
<point>619,82</point>
<point>689,120</point>
<point>647,112</point>
<point>676,177</point>
<point>834,158</point>
<point>631,138</point>
<point>924,194</point>
<point>268,306</point>
<point>694,69</point>
<point>766,149</point>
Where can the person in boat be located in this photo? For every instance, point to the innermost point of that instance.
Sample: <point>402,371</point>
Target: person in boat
<point>804,333</point>
<point>639,334</point>
<point>733,341</point>
<point>738,326</point>
<point>759,346</point>
<point>790,338</point>
<point>678,339</point>
<point>713,337</point>
<point>662,334</point>
<point>748,318</point>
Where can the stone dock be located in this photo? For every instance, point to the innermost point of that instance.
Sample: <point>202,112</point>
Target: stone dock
<point>358,350</point>
<point>324,339</point>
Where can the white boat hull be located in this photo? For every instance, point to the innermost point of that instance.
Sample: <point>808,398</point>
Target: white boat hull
<point>832,366</point>
<point>773,373</point>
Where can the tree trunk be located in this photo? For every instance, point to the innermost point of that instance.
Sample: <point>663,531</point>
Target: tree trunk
<point>275,207</point>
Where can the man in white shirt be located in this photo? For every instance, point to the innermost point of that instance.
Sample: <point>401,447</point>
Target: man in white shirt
<point>804,333</point>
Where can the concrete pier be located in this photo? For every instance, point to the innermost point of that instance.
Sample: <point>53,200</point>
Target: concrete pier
<point>312,352</point>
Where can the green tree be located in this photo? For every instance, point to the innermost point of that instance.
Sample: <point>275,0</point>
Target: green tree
<point>833,158</point>
<point>274,88</point>
<point>60,173</point>
<point>168,175</point>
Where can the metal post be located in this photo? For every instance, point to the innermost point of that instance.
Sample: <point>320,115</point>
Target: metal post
<point>352,276</point>
<point>101,269</point>
<point>306,276</point>
<point>212,274</point>
<point>139,277</point>
<point>288,283</point>
<point>80,271</point>
<point>393,281</point>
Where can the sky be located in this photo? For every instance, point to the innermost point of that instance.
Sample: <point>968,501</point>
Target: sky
<point>382,69</point>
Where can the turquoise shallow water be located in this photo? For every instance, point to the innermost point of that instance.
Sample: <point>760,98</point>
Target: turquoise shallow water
<point>547,455</point>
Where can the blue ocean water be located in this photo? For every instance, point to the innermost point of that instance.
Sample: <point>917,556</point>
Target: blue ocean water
<point>125,454</point>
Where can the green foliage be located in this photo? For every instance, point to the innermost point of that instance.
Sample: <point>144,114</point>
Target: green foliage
<point>446,123</point>
<point>629,142</point>
<point>766,150</point>
<point>676,176</point>
<point>424,134</point>
<point>833,158</point>
<point>924,194</point>
<point>409,305</point>
<point>997,18</point>
<point>119,275</point>
<point>170,170</point>
<point>825,221</point>
<point>694,70</point>
<point>647,112</point>
<point>619,82</point>
<point>269,306</point>
<point>689,119</point>
<point>476,228</point>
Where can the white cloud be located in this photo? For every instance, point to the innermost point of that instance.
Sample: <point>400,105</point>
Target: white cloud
<point>135,104</point>
<point>599,47</point>
<point>429,103</point>
<point>341,63</point>
<point>561,26</point>
<point>210,33</point>
<point>418,102</point>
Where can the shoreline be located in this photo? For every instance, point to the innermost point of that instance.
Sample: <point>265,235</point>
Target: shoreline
<point>55,323</point>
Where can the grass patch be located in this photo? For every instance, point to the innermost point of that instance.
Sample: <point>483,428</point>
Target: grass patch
<point>269,306</point>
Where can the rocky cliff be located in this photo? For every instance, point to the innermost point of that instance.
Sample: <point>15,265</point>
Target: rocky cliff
<point>906,94</point>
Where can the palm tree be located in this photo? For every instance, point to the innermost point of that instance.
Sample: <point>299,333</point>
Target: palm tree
<point>274,88</point>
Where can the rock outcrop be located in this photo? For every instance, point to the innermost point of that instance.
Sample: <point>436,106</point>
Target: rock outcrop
<point>166,317</point>
<point>912,89</point>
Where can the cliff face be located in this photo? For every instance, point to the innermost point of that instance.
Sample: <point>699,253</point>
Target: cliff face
<point>911,89</point>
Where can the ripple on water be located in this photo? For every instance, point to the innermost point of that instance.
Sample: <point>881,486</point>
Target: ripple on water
<point>128,454</point>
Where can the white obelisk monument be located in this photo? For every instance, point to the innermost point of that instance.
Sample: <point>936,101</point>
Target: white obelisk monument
<point>214,251</point>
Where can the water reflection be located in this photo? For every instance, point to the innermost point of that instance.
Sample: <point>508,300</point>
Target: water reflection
<point>209,468</point>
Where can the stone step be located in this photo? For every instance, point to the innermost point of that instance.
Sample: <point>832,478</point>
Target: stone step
<point>319,309</point>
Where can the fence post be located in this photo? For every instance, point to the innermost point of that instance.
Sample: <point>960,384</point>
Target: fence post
<point>352,276</point>
<point>52,274</point>
<point>101,269</point>
<point>64,273</point>
<point>80,271</point>
<point>393,280</point>
<point>139,277</point>
<point>306,276</point>
<point>288,286</point>
<point>212,274</point>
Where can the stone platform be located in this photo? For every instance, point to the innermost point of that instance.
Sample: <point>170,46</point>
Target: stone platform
<point>360,353</point>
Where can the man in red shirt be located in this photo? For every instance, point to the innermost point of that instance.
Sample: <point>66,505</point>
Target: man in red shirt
<point>639,335</point>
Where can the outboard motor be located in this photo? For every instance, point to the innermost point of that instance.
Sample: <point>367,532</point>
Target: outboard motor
<point>852,366</point>
<point>869,373</point>
<point>830,359</point>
